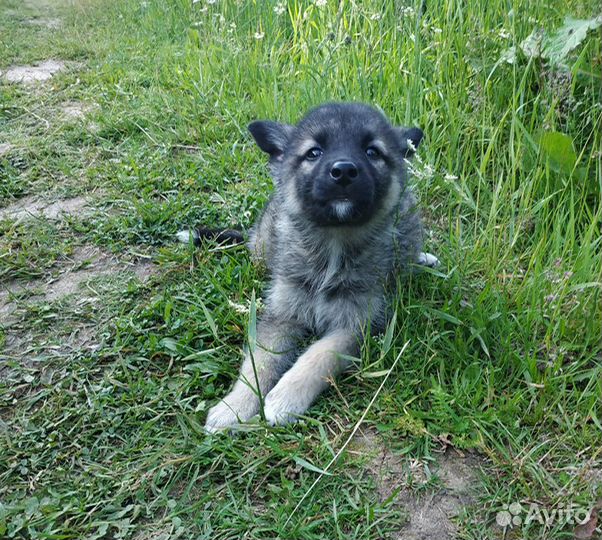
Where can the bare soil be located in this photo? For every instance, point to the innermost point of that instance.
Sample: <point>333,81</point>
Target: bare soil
<point>75,109</point>
<point>5,148</point>
<point>36,207</point>
<point>431,512</point>
<point>46,22</point>
<point>33,74</point>
<point>83,266</point>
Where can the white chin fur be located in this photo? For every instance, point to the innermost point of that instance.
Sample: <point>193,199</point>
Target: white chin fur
<point>184,236</point>
<point>342,209</point>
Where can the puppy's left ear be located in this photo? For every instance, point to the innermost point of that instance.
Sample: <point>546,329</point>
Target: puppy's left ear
<point>409,140</point>
<point>271,137</point>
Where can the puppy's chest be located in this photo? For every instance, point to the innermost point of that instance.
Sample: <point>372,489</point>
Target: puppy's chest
<point>332,271</point>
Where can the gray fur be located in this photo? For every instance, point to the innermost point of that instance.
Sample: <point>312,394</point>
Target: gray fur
<point>330,259</point>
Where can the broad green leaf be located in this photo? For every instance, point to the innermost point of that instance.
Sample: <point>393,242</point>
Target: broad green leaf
<point>170,344</point>
<point>569,36</point>
<point>534,43</point>
<point>558,148</point>
<point>555,45</point>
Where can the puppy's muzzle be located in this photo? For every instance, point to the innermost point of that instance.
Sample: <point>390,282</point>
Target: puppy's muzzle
<point>343,172</point>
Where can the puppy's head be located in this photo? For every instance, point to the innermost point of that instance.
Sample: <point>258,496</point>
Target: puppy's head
<point>343,163</point>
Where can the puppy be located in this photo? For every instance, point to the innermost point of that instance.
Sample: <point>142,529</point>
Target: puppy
<point>341,223</point>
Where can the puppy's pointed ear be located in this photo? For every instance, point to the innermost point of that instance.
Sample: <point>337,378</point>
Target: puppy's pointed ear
<point>271,137</point>
<point>409,139</point>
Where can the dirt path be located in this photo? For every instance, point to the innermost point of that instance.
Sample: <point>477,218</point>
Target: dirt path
<point>69,283</point>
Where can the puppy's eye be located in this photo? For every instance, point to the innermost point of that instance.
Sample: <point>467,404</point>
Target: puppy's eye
<point>313,153</point>
<point>373,152</point>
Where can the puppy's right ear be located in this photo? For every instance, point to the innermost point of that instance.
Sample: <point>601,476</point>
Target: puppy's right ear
<point>409,139</point>
<point>271,137</point>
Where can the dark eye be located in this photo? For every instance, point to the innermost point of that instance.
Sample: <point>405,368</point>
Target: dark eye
<point>372,152</point>
<point>313,153</point>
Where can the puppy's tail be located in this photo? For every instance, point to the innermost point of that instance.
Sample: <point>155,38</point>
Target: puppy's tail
<point>228,237</point>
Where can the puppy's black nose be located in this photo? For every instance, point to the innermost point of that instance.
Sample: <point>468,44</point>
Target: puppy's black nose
<point>343,172</point>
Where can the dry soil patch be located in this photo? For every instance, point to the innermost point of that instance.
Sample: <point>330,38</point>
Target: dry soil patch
<point>46,22</point>
<point>34,207</point>
<point>97,263</point>
<point>75,110</point>
<point>5,148</point>
<point>86,264</point>
<point>32,74</point>
<point>40,4</point>
<point>430,513</point>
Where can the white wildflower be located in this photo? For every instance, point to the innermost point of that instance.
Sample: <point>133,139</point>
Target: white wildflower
<point>320,3</point>
<point>259,35</point>
<point>450,177</point>
<point>437,30</point>
<point>407,11</point>
<point>375,17</point>
<point>504,34</point>
<point>279,8</point>
<point>239,308</point>
<point>245,309</point>
<point>419,169</point>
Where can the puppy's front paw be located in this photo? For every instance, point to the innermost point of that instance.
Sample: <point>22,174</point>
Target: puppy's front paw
<point>228,414</point>
<point>428,259</point>
<point>283,405</point>
<point>220,417</point>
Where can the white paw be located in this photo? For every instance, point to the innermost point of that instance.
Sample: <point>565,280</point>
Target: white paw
<point>428,259</point>
<point>220,417</point>
<point>226,415</point>
<point>284,405</point>
<point>185,236</point>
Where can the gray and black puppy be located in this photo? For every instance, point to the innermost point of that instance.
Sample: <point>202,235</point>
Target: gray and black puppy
<point>341,223</point>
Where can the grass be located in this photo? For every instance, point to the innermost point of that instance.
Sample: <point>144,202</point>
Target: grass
<point>504,354</point>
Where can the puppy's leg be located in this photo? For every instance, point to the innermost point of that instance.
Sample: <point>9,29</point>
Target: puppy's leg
<point>275,352</point>
<point>309,376</point>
